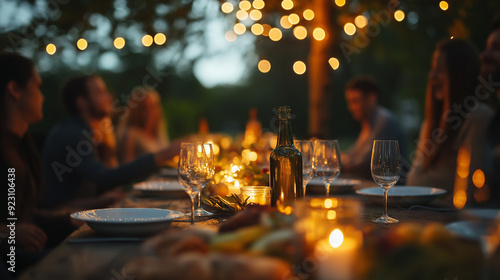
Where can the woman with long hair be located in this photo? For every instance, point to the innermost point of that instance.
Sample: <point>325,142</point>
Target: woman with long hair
<point>452,135</point>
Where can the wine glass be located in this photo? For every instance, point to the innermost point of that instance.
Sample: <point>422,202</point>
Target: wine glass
<point>204,173</point>
<point>305,148</point>
<point>326,161</point>
<point>196,169</point>
<point>385,167</point>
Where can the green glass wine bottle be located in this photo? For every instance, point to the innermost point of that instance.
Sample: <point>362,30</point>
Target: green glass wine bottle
<point>285,166</point>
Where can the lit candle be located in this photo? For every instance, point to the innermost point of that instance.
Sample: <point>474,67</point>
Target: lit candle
<point>256,194</point>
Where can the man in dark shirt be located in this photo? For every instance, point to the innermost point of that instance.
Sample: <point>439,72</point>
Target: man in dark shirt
<point>377,123</point>
<point>79,157</point>
<point>490,70</point>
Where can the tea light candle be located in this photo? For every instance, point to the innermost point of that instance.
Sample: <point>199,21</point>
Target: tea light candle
<point>336,255</point>
<point>256,194</point>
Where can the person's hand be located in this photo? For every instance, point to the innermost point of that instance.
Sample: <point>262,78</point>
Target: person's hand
<point>30,237</point>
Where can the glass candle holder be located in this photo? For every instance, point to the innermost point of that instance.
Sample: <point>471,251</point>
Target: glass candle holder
<point>256,194</point>
<point>331,234</point>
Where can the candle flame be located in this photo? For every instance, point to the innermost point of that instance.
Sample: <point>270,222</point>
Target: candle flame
<point>336,238</point>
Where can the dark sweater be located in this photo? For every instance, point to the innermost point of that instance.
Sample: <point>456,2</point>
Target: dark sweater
<point>72,169</point>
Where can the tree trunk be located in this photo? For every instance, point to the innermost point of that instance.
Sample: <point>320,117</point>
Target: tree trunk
<point>319,71</point>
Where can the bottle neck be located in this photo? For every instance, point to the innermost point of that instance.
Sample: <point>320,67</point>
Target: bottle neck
<point>285,137</point>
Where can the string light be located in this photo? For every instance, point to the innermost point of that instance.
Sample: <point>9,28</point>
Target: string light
<point>299,67</point>
<point>293,19</point>
<point>258,4</point>
<point>287,4</point>
<point>319,34</point>
<point>267,29</point>
<point>264,66</point>
<point>245,5</point>
<point>300,32</point>
<point>147,40</point>
<point>81,44</point>
<point>255,15</point>
<point>241,15</point>
<point>340,3</point>
<point>308,14</point>
<point>160,39</point>
<point>334,63</point>
<point>361,21</point>
<point>349,29</point>
<point>51,49</point>
<point>399,15</point>
<point>443,5</point>
<point>227,7</point>
<point>257,29</point>
<point>119,43</point>
<point>275,34</point>
<point>239,28</point>
<point>285,23</point>
<point>230,36</point>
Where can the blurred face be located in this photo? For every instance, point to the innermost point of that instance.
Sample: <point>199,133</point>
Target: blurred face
<point>438,76</point>
<point>490,58</point>
<point>98,99</point>
<point>359,105</point>
<point>31,99</point>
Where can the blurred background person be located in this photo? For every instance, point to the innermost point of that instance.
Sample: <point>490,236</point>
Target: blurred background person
<point>77,172</point>
<point>377,123</point>
<point>142,129</point>
<point>451,123</point>
<point>490,70</point>
<point>20,106</point>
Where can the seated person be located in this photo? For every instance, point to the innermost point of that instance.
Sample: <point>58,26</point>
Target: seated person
<point>20,106</point>
<point>79,154</point>
<point>490,70</point>
<point>142,128</point>
<point>452,135</point>
<point>377,123</point>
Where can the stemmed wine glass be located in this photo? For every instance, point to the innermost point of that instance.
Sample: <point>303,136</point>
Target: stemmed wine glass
<point>196,168</point>
<point>385,166</point>
<point>326,161</point>
<point>204,174</point>
<point>305,148</point>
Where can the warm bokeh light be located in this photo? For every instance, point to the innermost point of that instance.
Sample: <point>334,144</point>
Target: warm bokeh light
<point>300,32</point>
<point>258,4</point>
<point>241,15</point>
<point>293,18</point>
<point>459,199</point>
<point>463,163</point>
<point>257,29</point>
<point>331,214</point>
<point>51,49</point>
<point>349,28</point>
<point>267,29</point>
<point>245,5</point>
<point>334,63</point>
<point>239,28</point>
<point>361,21</point>
<point>275,34</point>
<point>336,238</point>
<point>82,44</point>
<point>443,5</point>
<point>255,15</point>
<point>308,14</point>
<point>119,43</point>
<point>299,67</point>
<point>399,15</point>
<point>147,40</point>
<point>227,7</point>
<point>160,39</point>
<point>319,34</point>
<point>478,178</point>
<point>264,66</point>
<point>285,23</point>
<point>340,3</point>
<point>230,36</point>
<point>287,4</point>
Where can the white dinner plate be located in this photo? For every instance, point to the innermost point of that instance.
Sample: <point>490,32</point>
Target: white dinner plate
<point>160,187</point>
<point>483,214</point>
<point>403,195</point>
<point>338,186</point>
<point>128,221</point>
<point>468,229</point>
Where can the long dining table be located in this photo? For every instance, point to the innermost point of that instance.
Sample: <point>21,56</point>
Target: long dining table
<point>87,255</point>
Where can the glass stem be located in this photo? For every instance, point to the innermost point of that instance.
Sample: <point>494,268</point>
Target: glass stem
<point>386,191</point>
<point>199,200</point>
<point>304,189</point>
<point>192,208</point>
<point>327,186</point>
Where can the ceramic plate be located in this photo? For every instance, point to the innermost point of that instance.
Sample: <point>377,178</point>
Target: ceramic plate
<point>483,214</point>
<point>128,221</point>
<point>160,187</point>
<point>317,186</point>
<point>402,196</point>
<point>468,229</point>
